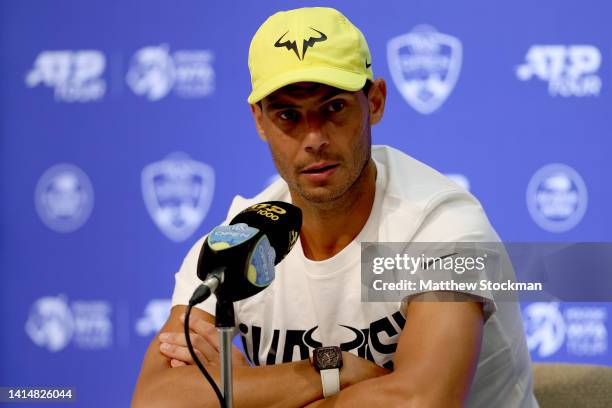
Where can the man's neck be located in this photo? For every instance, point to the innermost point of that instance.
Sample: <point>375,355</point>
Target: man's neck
<point>328,228</point>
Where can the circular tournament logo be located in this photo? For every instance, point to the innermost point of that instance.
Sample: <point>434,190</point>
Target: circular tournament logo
<point>545,328</point>
<point>50,323</point>
<point>557,197</point>
<point>64,198</point>
<point>152,72</point>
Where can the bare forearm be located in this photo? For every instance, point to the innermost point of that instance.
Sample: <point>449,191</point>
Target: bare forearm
<point>293,384</point>
<point>285,385</point>
<point>370,393</point>
<point>389,391</point>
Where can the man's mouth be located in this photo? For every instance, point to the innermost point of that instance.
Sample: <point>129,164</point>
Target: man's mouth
<point>320,168</point>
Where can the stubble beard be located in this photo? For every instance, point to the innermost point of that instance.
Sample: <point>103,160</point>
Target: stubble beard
<point>329,196</point>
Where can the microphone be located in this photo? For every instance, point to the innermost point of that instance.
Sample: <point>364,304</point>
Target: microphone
<point>237,260</point>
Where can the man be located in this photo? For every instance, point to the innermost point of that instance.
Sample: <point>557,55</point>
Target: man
<point>314,100</point>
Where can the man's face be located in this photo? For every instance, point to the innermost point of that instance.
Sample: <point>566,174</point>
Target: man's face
<point>319,138</point>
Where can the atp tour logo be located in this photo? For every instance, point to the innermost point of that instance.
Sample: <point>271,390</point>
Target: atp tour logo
<point>569,70</point>
<point>177,192</point>
<point>582,329</point>
<point>155,315</point>
<point>424,65</point>
<point>64,198</point>
<point>53,324</point>
<point>154,73</point>
<point>75,76</point>
<point>557,198</point>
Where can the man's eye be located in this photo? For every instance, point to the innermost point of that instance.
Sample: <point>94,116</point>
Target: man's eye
<point>289,115</point>
<point>335,106</point>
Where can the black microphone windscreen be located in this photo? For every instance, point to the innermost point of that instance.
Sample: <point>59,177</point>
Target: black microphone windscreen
<point>280,221</point>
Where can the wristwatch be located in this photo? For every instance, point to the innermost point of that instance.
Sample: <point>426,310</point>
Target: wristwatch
<point>328,361</point>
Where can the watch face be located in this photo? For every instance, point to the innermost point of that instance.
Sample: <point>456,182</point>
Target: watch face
<point>328,357</point>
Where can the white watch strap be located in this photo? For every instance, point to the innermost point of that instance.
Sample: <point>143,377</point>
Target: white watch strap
<point>330,379</point>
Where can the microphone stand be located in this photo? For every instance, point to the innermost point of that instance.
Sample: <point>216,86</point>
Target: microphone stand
<point>224,321</point>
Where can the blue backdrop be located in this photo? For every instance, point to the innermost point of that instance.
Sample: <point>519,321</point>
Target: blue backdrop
<point>125,133</point>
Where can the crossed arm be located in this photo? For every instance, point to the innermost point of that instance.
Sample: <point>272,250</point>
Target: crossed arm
<point>433,366</point>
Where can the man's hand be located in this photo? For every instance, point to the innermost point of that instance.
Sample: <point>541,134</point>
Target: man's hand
<point>205,341</point>
<point>294,384</point>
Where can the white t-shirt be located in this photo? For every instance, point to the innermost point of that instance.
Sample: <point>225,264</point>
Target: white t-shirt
<point>319,302</point>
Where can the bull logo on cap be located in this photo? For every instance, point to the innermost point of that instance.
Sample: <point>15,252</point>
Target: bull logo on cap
<point>424,65</point>
<point>292,45</point>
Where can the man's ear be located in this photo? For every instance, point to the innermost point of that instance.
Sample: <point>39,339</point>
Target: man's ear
<point>258,117</point>
<point>377,96</point>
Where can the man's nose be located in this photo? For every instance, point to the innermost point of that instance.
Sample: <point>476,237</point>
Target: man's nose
<point>316,138</point>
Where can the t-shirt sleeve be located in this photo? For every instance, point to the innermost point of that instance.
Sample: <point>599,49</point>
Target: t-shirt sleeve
<point>454,222</point>
<point>186,281</point>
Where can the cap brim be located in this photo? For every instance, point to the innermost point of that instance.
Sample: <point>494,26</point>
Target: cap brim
<point>349,81</point>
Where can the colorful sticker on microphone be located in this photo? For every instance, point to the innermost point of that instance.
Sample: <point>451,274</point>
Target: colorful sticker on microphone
<point>261,263</point>
<point>227,236</point>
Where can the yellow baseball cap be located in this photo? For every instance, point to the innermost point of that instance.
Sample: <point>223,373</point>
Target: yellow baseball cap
<point>316,44</point>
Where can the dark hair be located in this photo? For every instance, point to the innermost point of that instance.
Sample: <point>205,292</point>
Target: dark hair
<point>365,89</point>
